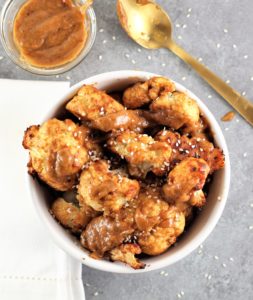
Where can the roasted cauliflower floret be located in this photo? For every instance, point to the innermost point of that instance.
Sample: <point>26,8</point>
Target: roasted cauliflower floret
<point>103,234</point>
<point>143,93</point>
<point>175,110</point>
<point>124,119</point>
<point>126,254</point>
<point>150,209</point>
<point>91,103</point>
<point>142,153</point>
<point>105,190</point>
<point>158,223</point>
<point>186,208</point>
<point>185,180</point>
<point>57,152</point>
<point>183,147</point>
<point>71,216</point>
<point>198,198</point>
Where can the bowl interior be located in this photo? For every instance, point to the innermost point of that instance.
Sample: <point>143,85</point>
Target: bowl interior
<point>8,14</point>
<point>201,226</point>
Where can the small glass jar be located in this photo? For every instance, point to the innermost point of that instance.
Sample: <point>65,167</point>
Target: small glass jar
<point>8,14</point>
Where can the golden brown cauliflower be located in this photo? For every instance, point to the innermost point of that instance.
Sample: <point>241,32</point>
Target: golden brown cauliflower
<point>186,208</point>
<point>124,119</point>
<point>185,180</point>
<point>103,234</point>
<point>126,254</point>
<point>57,152</point>
<point>149,209</point>
<point>71,216</point>
<point>105,190</point>
<point>183,147</point>
<point>143,93</point>
<point>142,153</point>
<point>91,103</point>
<point>158,223</point>
<point>198,198</point>
<point>175,110</point>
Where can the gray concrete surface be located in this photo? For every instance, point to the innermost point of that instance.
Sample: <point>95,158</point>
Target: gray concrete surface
<point>221,33</point>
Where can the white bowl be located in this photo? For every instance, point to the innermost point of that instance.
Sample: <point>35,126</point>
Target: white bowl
<point>201,226</point>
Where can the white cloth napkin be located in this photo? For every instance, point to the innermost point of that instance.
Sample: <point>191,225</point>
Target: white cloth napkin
<point>31,266</point>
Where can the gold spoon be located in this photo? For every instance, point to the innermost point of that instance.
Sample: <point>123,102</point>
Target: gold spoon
<point>150,26</point>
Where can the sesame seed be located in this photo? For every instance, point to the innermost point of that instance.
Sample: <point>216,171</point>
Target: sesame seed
<point>234,46</point>
<point>183,78</point>
<point>226,129</point>
<point>1,57</point>
<point>68,77</point>
<point>179,37</point>
<point>182,293</point>
<point>177,25</point>
<point>201,246</point>
<point>162,272</point>
<point>243,93</point>
<point>127,55</point>
<point>149,57</point>
<point>166,274</point>
<point>87,284</point>
<point>163,64</point>
<point>200,251</point>
<point>231,259</point>
<point>245,56</point>
<point>184,26</point>
<point>245,154</point>
<point>133,62</point>
<point>95,294</point>
<point>114,37</point>
<point>219,198</point>
<point>189,9</point>
<point>206,275</point>
<point>237,120</point>
<point>200,59</point>
<point>225,30</point>
<point>224,265</point>
<point>100,57</point>
<point>216,257</point>
<point>139,50</point>
<point>179,295</point>
<point>209,277</point>
<point>104,41</point>
<point>228,81</point>
<point>188,16</point>
<point>218,45</point>
<point>209,96</point>
<point>250,227</point>
<point>57,76</point>
<point>251,78</point>
<point>101,30</point>
<point>251,204</point>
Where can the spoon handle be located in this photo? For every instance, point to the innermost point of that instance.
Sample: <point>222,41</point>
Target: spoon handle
<point>238,102</point>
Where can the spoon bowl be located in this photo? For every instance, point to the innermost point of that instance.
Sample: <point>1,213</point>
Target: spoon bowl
<point>150,30</point>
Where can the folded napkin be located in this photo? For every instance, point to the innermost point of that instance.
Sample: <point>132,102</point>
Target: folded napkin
<point>31,266</point>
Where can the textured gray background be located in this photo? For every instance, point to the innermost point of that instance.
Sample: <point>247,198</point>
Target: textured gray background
<point>230,54</point>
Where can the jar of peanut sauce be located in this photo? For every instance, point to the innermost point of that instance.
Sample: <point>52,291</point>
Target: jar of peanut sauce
<point>47,37</point>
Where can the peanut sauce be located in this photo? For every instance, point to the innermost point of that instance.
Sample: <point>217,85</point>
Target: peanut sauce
<point>228,116</point>
<point>49,33</point>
